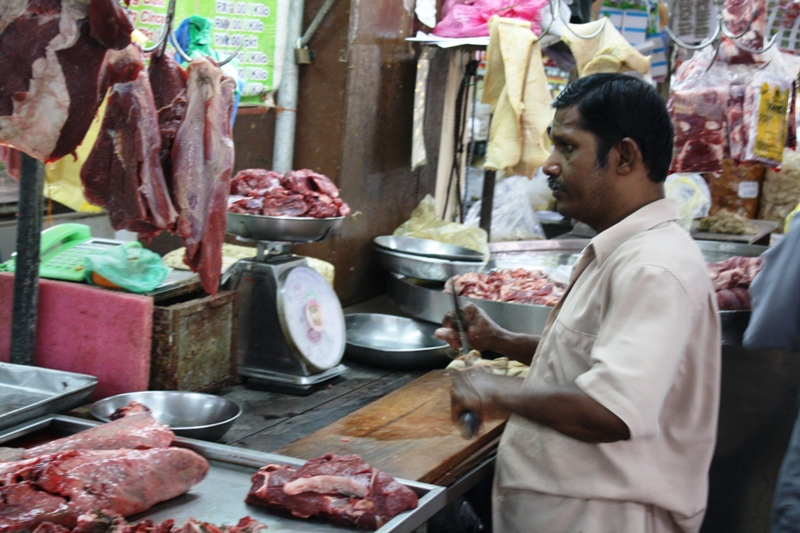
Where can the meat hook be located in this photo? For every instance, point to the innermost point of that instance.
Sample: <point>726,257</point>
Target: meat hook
<point>185,56</point>
<point>161,43</point>
<point>720,30</point>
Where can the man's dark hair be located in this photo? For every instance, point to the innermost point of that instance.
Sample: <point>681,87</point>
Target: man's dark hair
<point>615,106</point>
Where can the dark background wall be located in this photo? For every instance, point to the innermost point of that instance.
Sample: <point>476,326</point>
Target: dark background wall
<point>354,121</point>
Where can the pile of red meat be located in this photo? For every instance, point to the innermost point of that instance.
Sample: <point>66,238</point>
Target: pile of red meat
<point>342,488</point>
<point>732,278</point>
<point>102,522</point>
<point>122,468</point>
<point>300,193</point>
<point>508,285</point>
<point>164,155</point>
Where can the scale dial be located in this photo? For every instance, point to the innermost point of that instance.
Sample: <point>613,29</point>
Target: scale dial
<point>311,317</point>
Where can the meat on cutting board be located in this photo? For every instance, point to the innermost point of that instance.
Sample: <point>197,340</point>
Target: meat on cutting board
<point>51,53</point>
<point>123,171</point>
<point>202,162</point>
<point>342,488</point>
<point>125,482</point>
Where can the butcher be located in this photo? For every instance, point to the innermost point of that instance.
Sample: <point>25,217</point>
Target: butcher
<point>614,427</point>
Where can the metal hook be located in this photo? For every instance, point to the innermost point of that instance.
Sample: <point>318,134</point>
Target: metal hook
<point>721,30</point>
<point>161,43</point>
<point>185,56</point>
<point>552,20</point>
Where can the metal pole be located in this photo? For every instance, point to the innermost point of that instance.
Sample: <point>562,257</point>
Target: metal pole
<point>26,277</point>
<point>487,201</point>
<point>283,152</point>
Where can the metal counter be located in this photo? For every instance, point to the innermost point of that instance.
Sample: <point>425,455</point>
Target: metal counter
<point>219,498</point>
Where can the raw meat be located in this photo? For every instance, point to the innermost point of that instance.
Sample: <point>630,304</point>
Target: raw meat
<point>23,506</point>
<point>202,159</point>
<point>123,172</point>
<point>508,285</point>
<point>168,81</point>
<point>331,487</point>
<point>120,481</point>
<point>699,116</point>
<point>732,278</point>
<point>136,431</point>
<point>737,14</point>
<point>51,55</point>
<point>301,193</point>
<point>104,522</point>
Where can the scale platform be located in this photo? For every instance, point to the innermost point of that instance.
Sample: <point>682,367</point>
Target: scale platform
<point>291,333</point>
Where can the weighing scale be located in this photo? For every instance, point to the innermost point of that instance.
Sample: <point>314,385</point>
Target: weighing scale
<point>291,325</point>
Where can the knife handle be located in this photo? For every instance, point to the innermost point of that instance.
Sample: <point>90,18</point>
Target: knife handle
<point>469,425</point>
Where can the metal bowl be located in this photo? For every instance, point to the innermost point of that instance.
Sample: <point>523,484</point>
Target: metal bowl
<point>189,414</point>
<point>427,248</point>
<point>427,268</point>
<point>282,229</point>
<point>394,342</point>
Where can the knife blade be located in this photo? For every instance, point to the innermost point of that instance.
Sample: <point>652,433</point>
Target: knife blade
<point>469,420</point>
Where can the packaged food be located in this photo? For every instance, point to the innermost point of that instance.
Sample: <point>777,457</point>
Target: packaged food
<point>736,189</point>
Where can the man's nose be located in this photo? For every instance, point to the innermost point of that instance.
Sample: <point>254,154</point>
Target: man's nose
<point>551,166</point>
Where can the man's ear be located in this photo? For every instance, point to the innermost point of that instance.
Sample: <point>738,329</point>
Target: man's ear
<point>629,155</point>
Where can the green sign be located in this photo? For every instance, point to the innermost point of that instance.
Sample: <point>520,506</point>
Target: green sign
<point>252,23</point>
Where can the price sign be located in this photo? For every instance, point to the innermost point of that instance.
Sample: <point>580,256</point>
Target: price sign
<point>259,26</point>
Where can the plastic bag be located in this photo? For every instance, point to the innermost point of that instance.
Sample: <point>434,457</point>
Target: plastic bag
<point>469,18</point>
<point>425,224</point>
<point>692,194</point>
<point>513,218</point>
<point>698,108</point>
<point>127,267</point>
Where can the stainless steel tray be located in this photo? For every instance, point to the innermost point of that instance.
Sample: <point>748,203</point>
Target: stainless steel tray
<point>425,268</point>
<point>427,248</point>
<point>282,229</point>
<point>28,392</point>
<point>219,499</point>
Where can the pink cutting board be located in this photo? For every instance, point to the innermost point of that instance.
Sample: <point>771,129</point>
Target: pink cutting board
<point>88,330</point>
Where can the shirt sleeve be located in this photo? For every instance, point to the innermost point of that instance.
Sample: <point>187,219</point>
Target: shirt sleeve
<point>640,347</point>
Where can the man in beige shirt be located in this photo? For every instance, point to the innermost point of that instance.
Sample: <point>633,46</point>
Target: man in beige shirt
<point>614,427</point>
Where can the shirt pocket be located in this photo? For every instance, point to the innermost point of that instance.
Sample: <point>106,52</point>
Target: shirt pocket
<point>574,351</point>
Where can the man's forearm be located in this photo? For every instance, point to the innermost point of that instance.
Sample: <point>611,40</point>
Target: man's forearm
<point>567,410</point>
<point>517,346</point>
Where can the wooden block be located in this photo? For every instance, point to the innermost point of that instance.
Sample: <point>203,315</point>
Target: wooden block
<point>194,342</point>
<point>407,433</point>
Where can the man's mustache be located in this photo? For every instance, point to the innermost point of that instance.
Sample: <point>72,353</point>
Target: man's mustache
<point>555,185</point>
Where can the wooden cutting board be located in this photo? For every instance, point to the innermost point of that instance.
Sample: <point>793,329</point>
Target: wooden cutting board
<point>407,433</point>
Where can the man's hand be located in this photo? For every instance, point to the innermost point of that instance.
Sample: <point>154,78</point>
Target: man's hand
<point>482,333</point>
<point>473,390</point>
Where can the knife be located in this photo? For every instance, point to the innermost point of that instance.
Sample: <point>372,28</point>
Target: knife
<point>469,420</point>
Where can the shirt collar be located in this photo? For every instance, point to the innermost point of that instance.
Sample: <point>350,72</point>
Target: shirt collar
<point>644,219</point>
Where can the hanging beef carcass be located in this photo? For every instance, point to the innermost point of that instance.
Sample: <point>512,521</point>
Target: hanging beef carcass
<point>168,81</point>
<point>202,161</point>
<point>51,58</point>
<point>123,171</point>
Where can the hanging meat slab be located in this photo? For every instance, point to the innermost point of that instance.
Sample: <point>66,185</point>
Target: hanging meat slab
<point>123,171</point>
<point>168,81</point>
<point>51,57</point>
<point>202,162</point>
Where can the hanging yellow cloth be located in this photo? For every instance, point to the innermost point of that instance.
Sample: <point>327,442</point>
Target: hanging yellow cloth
<point>63,177</point>
<point>606,52</point>
<point>516,87</point>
